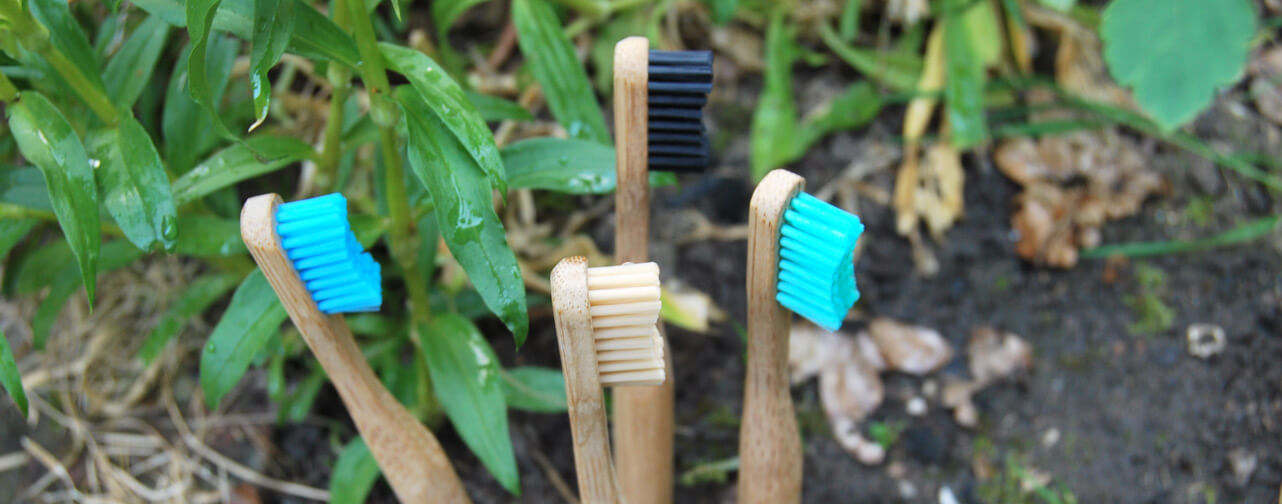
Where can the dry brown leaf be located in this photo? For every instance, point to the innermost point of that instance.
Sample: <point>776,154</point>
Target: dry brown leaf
<point>1080,70</point>
<point>939,193</point>
<point>807,354</point>
<point>1073,184</point>
<point>849,386</point>
<point>910,349</point>
<point>995,355</point>
<point>742,46</point>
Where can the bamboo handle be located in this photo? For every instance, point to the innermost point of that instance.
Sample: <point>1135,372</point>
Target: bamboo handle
<point>570,309</point>
<point>408,454</point>
<point>643,416</point>
<point>769,444</point>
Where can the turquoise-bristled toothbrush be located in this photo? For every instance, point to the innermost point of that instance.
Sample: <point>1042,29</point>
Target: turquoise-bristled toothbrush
<point>800,258</point>
<point>310,257</point>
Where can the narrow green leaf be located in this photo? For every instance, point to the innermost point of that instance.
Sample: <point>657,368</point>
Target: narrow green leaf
<point>48,141</point>
<point>252,318</point>
<point>465,213</point>
<point>38,268</point>
<point>776,116</point>
<point>239,162</point>
<point>964,87</point>
<point>850,20</point>
<point>895,69</point>
<point>209,236</point>
<point>429,235</point>
<point>565,165</point>
<point>67,37</point>
<point>535,389</point>
<point>554,65</point>
<point>1176,57</point>
<point>200,21</point>
<point>722,10</point>
<point>192,302</point>
<point>188,129</point>
<point>618,27</point>
<point>273,26</point>
<point>493,108</point>
<point>354,474</point>
<point>10,377</point>
<point>1244,233</point>
<point>135,188</point>
<point>24,187</point>
<point>115,255</point>
<point>1059,5</point>
<point>444,12</point>
<point>300,402</point>
<point>855,107</point>
<point>130,69</point>
<point>13,231</point>
<point>445,99</point>
<point>466,377</point>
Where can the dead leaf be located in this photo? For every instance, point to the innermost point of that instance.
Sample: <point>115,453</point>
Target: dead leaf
<point>848,436</point>
<point>1080,70</point>
<point>1073,184</point>
<point>910,349</point>
<point>849,385</point>
<point>916,119</point>
<point>907,12</point>
<point>995,355</point>
<point>939,191</point>
<point>742,46</point>
<point>807,354</point>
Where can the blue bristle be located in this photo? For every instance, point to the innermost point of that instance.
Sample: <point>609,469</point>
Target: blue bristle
<point>319,242</point>
<point>816,261</point>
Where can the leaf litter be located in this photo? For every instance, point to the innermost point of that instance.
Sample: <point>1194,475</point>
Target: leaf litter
<point>849,368</point>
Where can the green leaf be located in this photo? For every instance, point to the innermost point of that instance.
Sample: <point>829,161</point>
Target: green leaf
<point>964,73</point>
<point>535,389</point>
<point>209,236</point>
<point>444,12</point>
<point>465,213</point>
<point>24,187</point>
<point>13,231</point>
<point>67,37</point>
<point>135,188</point>
<point>315,35</point>
<point>130,69</point>
<point>239,162</point>
<point>1175,58</point>
<point>554,65</point>
<point>619,26</point>
<point>855,107</point>
<point>565,165</point>
<point>446,100</point>
<point>354,474</point>
<point>273,26</point>
<point>38,268</point>
<point>1059,5</point>
<point>466,377</point>
<point>200,21</point>
<point>722,10</point>
<point>10,377</point>
<point>776,115</point>
<point>115,255</point>
<point>198,297</point>
<point>252,318</point>
<point>849,23</point>
<point>187,127</point>
<point>48,141</point>
<point>493,108</point>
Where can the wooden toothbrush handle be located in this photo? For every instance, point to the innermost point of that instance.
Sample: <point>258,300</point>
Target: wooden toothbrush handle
<point>598,483</point>
<point>643,425</point>
<point>408,454</point>
<point>769,443</point>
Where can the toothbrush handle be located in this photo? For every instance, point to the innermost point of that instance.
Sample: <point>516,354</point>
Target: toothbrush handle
<point>769,443</point>
<point>408,454</point>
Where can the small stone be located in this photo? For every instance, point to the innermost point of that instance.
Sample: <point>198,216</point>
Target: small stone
<point>916,407</point>
<point>907,490</point>
<point>897,470</point>
<point>1205,340</point>
<point>1243,463</point>
<point>966,415</point>
<point>1050,438</point>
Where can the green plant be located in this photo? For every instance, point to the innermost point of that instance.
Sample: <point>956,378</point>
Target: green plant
<point>1151,313</point>
<point>164,140</point>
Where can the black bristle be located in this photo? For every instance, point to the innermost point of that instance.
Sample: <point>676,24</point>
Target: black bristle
<point>679,83</point>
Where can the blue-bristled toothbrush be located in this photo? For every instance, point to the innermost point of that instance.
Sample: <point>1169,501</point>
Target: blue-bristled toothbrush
<point>800,258</point>
<point>310,256</point>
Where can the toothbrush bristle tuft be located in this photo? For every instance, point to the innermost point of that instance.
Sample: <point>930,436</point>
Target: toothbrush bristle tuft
<point>624,305</point>
<point>816,261</point>
<point>319,242</point>
<point>679,83</point>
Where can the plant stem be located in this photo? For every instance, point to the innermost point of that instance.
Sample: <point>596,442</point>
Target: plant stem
<point>401,232</point>
<point>371,68</point>
<point>332,149</point>
<point>94,97</point>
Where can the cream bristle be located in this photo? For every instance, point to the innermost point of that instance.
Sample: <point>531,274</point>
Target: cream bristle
<point>624,305</point>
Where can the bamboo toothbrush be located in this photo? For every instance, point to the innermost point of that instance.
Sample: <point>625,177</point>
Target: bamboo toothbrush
<point>800,258</point>
<point>311,241</point>
<point>607,333</point>
<point>658,123</point>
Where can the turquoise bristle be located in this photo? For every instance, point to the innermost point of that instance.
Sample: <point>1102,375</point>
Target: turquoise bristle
<point>816,261</point>
<point>319,241</point>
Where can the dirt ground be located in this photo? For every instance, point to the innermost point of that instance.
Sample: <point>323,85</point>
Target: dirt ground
<point>1109,415</point>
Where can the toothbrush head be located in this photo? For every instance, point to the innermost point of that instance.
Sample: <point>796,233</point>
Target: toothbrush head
<point>677,90</point>
<point>624,306</point>
<point>319,242</point>
<point>816,261</point>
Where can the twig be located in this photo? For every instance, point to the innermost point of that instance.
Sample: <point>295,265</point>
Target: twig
<point>15,460</point>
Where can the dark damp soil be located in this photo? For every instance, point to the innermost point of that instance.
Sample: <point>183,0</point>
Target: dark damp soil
<point>1109,415</point>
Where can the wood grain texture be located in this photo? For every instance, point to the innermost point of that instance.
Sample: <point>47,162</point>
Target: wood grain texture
<point>643,416</point>
<point>769,444</point>
<point>410,457</point>
<point>570,309</point>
